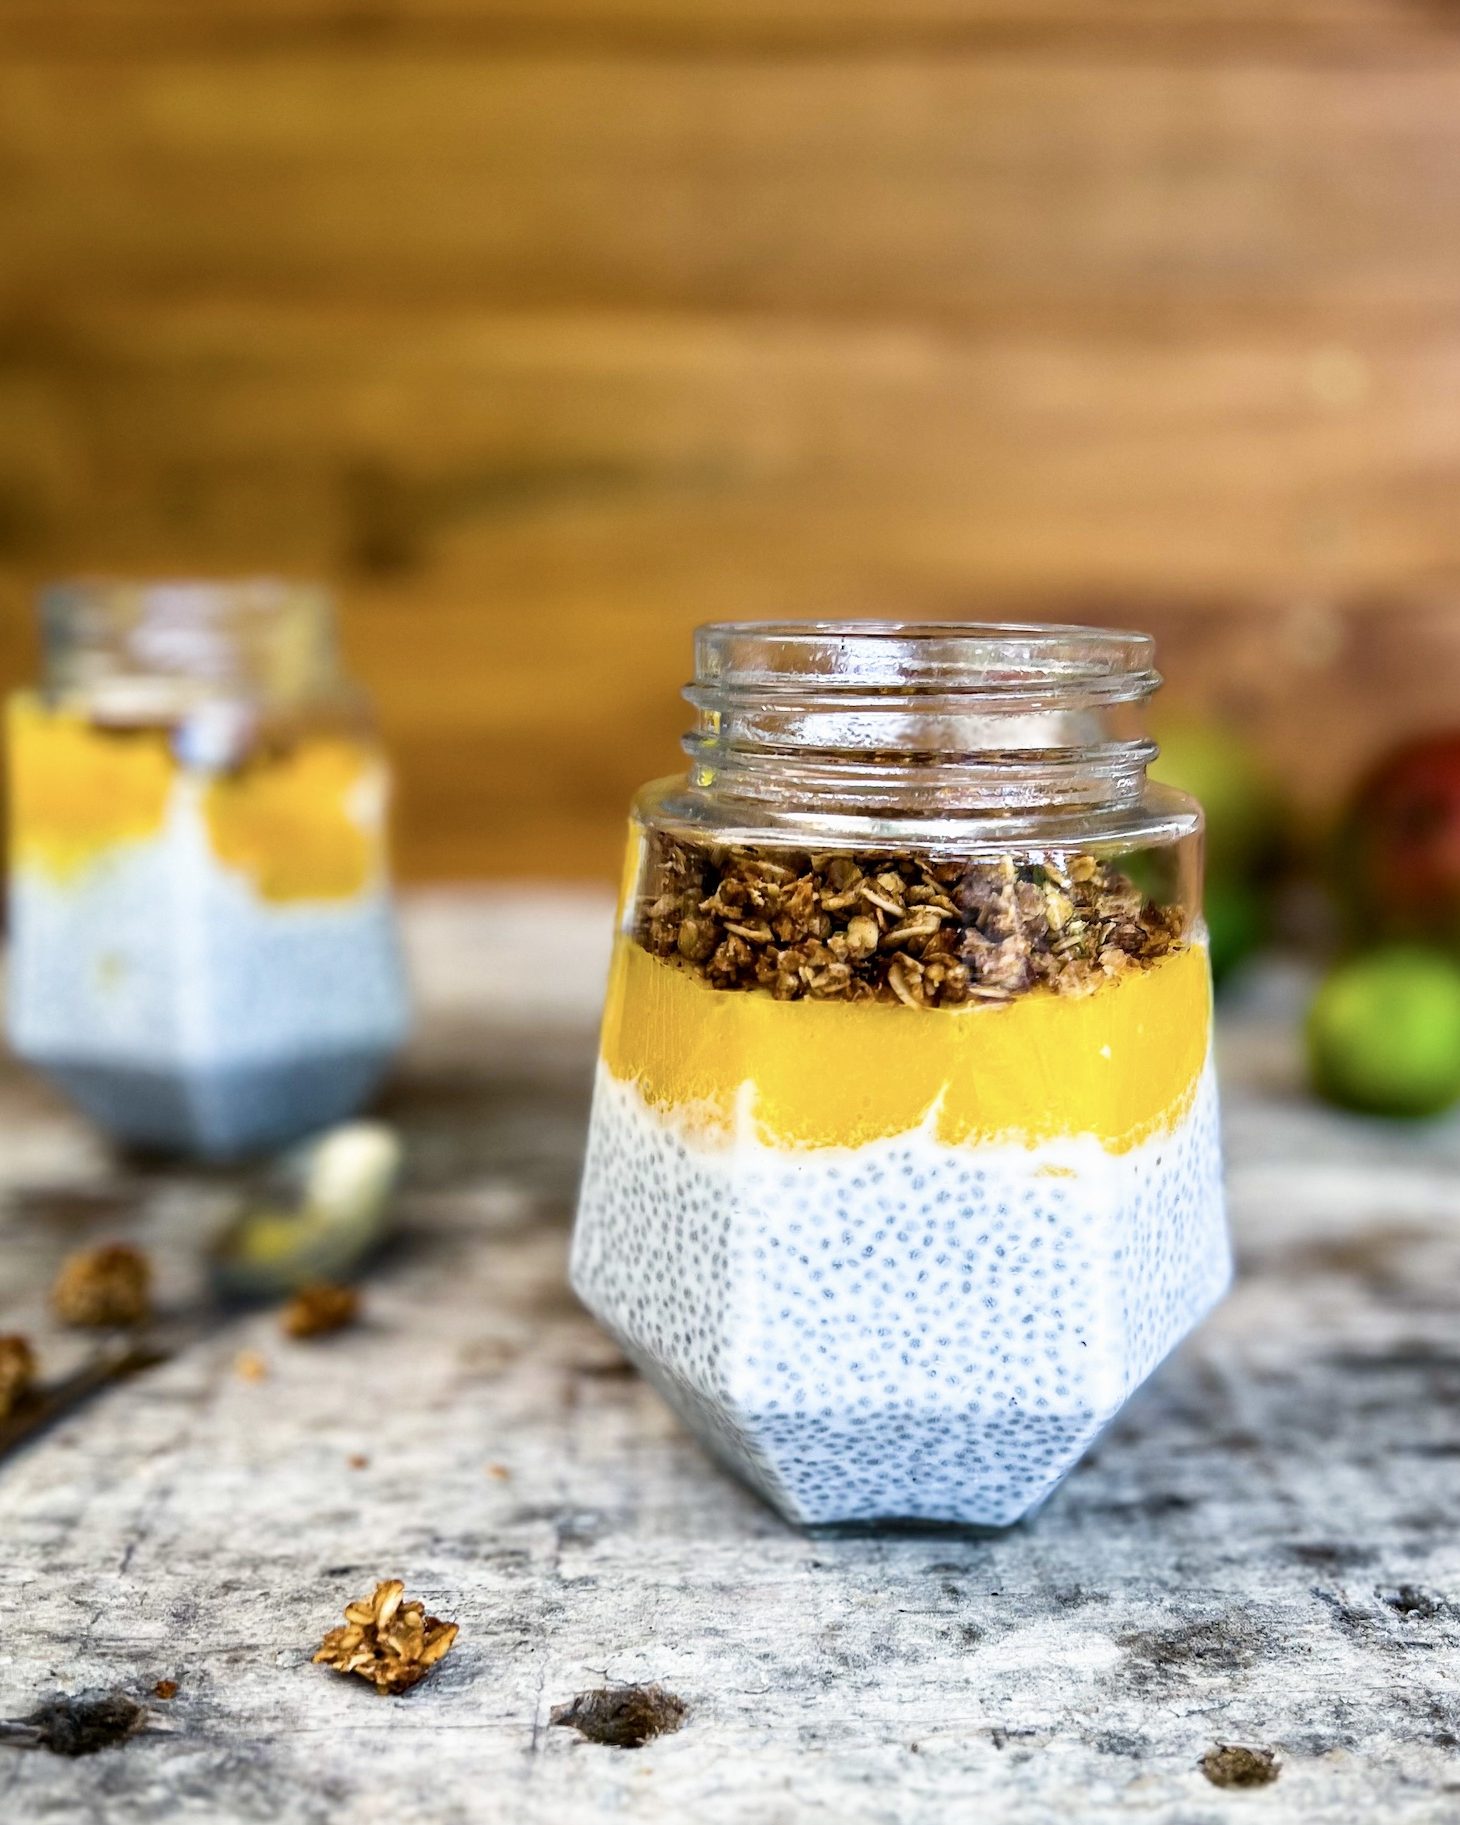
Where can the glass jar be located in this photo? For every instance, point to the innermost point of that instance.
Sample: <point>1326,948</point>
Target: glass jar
<point>204,954</point>
<point>904,1167</point>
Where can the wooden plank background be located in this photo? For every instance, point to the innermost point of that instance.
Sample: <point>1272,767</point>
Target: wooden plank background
<point>546,329</point>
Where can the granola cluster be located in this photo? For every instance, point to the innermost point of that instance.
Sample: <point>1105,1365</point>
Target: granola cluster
<point>320,1309</point>
<point>914,929</point>
<point>110,1285</point>
<point>391,1643</point>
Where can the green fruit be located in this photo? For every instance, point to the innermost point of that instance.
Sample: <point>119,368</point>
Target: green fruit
<point>1237,924</point>
<point>1384,1033</point>
<point>1232,786</point>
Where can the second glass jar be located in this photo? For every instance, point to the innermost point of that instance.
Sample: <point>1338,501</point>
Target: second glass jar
<point>204,953</point>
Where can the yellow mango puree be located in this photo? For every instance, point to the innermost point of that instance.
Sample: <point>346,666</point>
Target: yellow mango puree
<point>288,824</point>
<point>1120,1063</point>
<point>75,792</point>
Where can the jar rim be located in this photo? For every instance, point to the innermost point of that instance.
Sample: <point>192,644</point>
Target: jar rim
<point>270,636</point>
<point>959,716</point>
<point>996,662</point>
<point>198,598</point>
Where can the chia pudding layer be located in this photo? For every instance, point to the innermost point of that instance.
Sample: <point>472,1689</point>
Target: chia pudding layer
<point>900,1251</point>
<point>204,959</point>
<point>903,1329</point>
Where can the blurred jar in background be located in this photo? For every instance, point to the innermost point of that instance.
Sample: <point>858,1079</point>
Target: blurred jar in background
<point>204,954</point>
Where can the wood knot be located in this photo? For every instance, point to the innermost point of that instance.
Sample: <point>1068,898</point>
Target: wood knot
<point>622,1717</point>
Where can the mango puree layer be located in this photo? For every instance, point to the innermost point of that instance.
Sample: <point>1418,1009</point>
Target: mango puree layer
<point>288,823</point>
<point>1121,1063</point>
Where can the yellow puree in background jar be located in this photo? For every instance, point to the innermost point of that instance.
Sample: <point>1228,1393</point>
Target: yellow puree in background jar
<point>291,822</point>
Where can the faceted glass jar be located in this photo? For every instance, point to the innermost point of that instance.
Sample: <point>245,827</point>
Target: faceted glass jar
<point>904,1169</point>
<point>203,945</point>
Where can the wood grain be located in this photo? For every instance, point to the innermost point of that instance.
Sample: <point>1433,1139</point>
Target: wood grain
<point>1262,1550</point>
<point>547,332</point>
<point>851,27</point>
<point>903,184</point>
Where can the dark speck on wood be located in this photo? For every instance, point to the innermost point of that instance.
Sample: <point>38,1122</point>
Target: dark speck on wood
<point>1410,1600</point>
<point>1210,1644</point>
<point>81,1725</point>
<point>622,1717</point>
<point>1328,1552</point>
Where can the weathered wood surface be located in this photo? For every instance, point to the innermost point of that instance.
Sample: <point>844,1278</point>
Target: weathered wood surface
<point>1263,1552</point>
<point>548,329</point>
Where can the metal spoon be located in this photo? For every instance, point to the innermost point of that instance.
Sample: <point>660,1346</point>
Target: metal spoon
<point>111,1364</point>
<point>329,1206</point>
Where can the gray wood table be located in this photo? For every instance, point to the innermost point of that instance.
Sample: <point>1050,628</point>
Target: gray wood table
<point>1262,1553</point>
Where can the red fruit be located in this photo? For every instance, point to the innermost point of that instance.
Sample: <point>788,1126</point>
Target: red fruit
<point>1400,859</point>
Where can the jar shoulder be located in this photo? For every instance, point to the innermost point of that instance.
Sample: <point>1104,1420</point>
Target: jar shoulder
<point>1159,817</point>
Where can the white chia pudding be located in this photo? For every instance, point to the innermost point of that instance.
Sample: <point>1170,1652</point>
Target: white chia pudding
<point>903,1329</point>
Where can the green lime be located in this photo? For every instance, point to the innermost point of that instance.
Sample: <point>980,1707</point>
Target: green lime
<point>1384,1033</point>
<point>1237,924</point>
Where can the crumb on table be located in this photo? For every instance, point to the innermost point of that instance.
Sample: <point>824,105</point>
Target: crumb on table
<point>104,1286</point>
<point>390,1642</point>
<point>318,1310</point>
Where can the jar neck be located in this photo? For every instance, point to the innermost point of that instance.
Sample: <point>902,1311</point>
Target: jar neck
<point>159,648</point>
<point>923,718</point>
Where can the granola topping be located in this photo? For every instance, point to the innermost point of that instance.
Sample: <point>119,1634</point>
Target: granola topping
<point>17,1373</point>
<point>109,1285</point>
<point>386,1640</point>
<point>912,929</point>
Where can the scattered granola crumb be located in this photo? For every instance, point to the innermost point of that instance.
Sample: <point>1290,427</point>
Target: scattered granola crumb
<point>317,1310</point>
<point>109,1285</point>
<point>391,1643</point>
<point>622,1717</point>
<point>165,1689</point>
<point>357,1460</point>
<point>248,1365</point>
<point>500,1472</point>
<point>17,1372</point>
<point>1232,1765</point>
<point>924,931</point>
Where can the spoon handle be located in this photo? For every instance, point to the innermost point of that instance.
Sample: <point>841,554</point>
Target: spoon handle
<point>48,1404</point>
